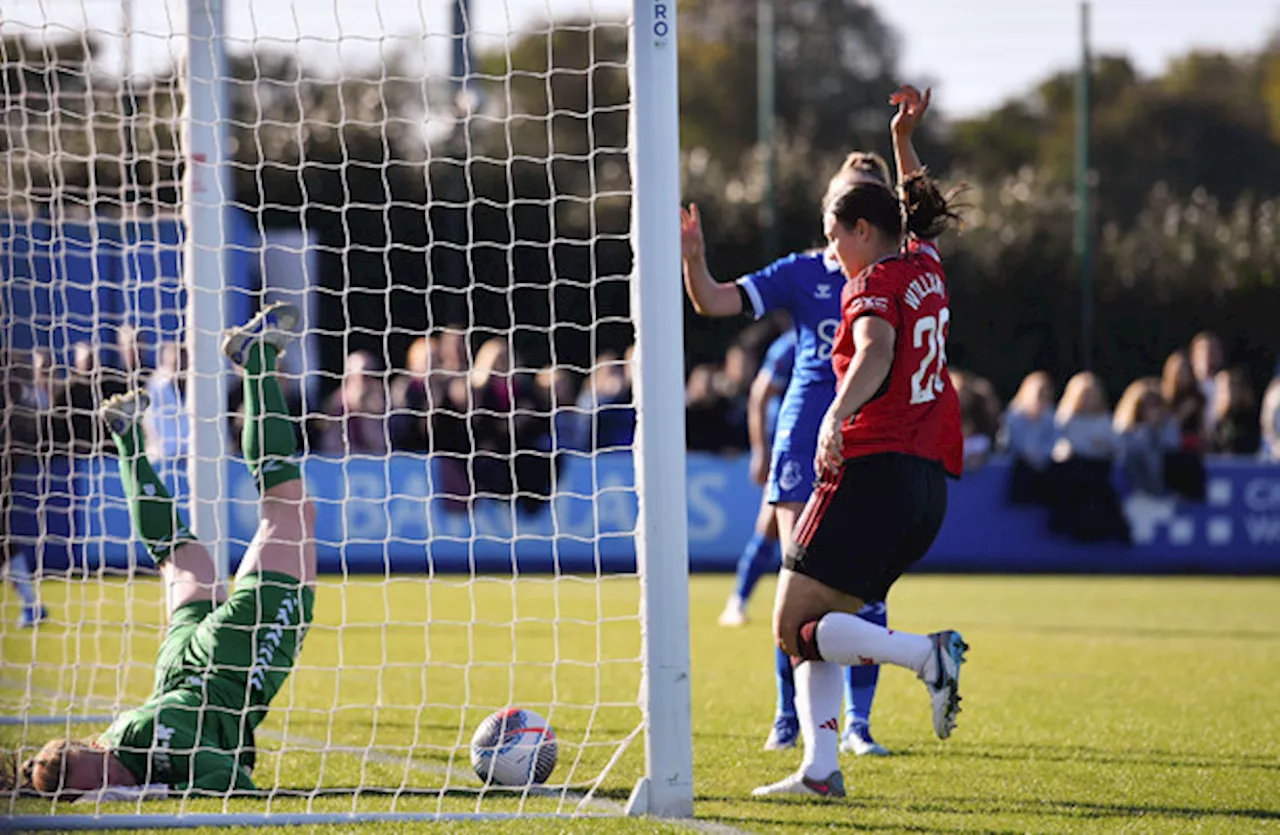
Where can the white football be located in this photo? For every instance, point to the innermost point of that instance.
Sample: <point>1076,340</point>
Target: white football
<point>514,747</point>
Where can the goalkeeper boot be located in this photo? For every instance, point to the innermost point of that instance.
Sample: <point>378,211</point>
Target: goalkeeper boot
<point>273,325</point>
<point>122,411</point>
<point>941,675</point>
<point>797,783</point>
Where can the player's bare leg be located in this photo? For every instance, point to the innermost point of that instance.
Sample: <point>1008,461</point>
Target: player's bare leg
<point>786,725</point>
<point>818,626</point>
<point>285,540</point>
<point>787,513</point>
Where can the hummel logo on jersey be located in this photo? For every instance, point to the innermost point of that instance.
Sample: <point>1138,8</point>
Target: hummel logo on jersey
<point>822,291</point>
<point>160,753</point>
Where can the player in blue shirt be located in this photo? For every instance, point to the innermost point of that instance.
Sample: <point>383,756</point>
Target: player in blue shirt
<point>808,287</point>
<point>761,555</point>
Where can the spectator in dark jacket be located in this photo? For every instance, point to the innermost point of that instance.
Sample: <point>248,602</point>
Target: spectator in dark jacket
<point>74,422</point>
<point>1236,429</point>
<point>1147,434</point>
<point>1184,467</point>
<point>1028,435</point>
<point>1085,505</point>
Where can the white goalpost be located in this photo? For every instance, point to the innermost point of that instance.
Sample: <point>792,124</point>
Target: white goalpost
<point>473,204</point>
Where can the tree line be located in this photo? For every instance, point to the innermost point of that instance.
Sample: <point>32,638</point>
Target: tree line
<point>516,214</point>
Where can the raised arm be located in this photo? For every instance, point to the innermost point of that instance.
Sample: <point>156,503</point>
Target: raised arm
<point>912,105</point>
<point>709,297</point>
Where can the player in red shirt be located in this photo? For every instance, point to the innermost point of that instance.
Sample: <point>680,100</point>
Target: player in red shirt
<point>885,446</point>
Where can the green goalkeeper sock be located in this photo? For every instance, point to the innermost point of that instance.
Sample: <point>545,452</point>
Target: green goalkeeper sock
<point>155,515</point>
<point>268,439</point>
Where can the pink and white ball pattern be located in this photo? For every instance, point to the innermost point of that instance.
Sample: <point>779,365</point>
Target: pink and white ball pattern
<point>514,747</point>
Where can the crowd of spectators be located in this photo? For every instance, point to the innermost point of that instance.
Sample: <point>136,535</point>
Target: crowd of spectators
<point>1071,453</point>
<point>1065,450</point>
<point>498,427</point>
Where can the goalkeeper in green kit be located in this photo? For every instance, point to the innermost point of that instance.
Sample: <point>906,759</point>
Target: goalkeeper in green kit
<point>222,660</point>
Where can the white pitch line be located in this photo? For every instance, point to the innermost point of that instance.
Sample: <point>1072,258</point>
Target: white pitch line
<point>12,721</point>
<point>603,804</point>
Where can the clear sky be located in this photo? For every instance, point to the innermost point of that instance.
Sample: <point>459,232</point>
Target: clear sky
<point>984,51</point>
<point>980,52</point>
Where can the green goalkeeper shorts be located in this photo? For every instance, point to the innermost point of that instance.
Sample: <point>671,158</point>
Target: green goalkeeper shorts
<point>239,653</point>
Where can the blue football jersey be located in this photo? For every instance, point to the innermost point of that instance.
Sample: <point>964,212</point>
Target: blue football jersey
<point>808,287</point>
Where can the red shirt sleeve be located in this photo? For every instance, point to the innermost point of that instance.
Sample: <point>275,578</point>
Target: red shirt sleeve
<point>872,297</point>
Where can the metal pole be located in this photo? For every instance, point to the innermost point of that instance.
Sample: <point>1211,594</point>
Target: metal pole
<point>766,112</point>
<point>205,196</point>
<point>1083,242</point>
<point>129,198</point>
<point>662,546</point>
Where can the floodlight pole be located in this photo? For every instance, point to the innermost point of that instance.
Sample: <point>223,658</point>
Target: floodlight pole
<point>766,111</point>
<point>1083,241</point>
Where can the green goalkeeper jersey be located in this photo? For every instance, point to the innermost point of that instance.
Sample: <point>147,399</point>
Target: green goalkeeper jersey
<point>176,740</point>
<point>216,674</point>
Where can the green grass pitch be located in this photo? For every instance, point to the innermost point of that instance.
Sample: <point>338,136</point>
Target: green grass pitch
<point>1091,704</point>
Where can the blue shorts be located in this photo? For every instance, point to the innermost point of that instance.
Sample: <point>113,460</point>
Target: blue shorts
<point>790,476</point>
<point>795,443</point>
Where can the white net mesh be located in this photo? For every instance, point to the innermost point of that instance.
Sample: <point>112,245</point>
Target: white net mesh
<point>452,216</point>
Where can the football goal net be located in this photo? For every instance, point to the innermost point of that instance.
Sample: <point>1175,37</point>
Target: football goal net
<point>471,204</point>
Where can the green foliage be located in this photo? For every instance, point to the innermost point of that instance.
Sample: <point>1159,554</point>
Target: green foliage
<point>472,215</point>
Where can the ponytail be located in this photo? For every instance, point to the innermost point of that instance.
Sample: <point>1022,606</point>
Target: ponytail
<point>926,210</point>
<point>922,210</point>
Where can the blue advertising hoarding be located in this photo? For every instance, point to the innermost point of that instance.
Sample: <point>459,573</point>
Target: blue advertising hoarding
<point>385,515</point>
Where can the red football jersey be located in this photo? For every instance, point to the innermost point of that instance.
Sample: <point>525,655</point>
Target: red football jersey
<point>916,412</point>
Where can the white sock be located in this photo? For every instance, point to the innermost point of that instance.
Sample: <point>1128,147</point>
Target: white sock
<point>819,691</point>
<point>850,641</point>
<point>20,577</point>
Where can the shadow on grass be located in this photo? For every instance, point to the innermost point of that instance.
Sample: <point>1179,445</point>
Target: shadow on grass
<point>839,815</point>
<point>1085,809</point>
<point>1105,756</point>
<point>1176,633</point>
<point>843,824</point>
<point>620,795</point>
<point>983,808</point>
